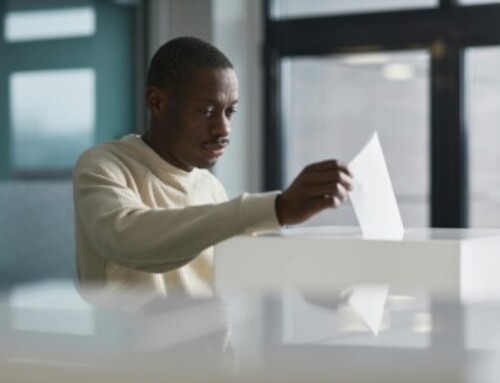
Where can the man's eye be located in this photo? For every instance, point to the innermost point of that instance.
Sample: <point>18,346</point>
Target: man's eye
<point>208,111</point>
<point>230,112</point>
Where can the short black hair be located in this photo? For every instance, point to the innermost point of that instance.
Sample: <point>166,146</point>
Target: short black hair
<point>176,60</point>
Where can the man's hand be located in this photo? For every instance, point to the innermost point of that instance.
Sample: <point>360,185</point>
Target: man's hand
<point>319,186</point>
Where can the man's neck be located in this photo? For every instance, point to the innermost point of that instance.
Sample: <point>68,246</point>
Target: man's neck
<point>149,141</point>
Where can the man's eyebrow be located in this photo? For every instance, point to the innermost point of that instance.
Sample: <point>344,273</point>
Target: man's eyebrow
<point>214,101</point>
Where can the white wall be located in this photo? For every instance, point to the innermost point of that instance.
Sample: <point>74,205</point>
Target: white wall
<point>235,27</point>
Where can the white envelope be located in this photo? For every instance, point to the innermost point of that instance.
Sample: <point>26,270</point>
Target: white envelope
<point>373,196</point>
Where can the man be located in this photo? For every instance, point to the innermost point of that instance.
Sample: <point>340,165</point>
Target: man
<point>148,211</point>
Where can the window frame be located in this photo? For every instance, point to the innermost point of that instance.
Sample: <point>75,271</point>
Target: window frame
<point>445,31</point>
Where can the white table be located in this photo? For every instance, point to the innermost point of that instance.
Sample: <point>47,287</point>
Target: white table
<point>276,338</point>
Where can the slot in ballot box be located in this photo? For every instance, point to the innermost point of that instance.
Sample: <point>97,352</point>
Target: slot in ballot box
<point>460,264</point>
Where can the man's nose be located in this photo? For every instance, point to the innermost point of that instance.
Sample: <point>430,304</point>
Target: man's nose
<point>221,126</point>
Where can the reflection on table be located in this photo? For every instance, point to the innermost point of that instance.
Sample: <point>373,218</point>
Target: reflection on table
<point>363,333</point>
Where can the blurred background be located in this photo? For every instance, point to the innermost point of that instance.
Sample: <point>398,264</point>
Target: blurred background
<point>317,78</point>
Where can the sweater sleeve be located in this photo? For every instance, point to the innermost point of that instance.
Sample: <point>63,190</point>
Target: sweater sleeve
<point>124,230</point>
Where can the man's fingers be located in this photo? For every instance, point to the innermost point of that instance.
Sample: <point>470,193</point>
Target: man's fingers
<point>341,192</point>
<point>321,166</point>
<point>334,189</point>
<point>346,181</point>
<point>316,178</point>
<point>319,186</point>
<point>326,202</point>
<point>326,166</point>
<point>336,202</point>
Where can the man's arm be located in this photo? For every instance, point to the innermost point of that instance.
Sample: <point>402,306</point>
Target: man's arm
<point>121,228</point>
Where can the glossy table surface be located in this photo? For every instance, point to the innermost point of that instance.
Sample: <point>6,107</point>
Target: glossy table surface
<point>363,333</point>
<point>410,234</point>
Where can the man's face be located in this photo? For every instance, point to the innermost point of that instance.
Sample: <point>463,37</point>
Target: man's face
<point>197,120</point>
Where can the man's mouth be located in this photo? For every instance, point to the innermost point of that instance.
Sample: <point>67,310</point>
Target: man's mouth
<point>216,147</point>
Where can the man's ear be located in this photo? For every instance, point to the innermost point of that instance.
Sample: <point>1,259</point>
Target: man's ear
<point>156,101</point>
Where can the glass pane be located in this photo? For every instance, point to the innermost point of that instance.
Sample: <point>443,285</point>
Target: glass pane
<point>473,2</point>
<point>301,8</point>
<point>49,24</point>
<point>483,117</point>
<point>52,117</point>
<point>332,106</point>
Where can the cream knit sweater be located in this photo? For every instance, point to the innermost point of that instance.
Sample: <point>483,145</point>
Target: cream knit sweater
<point>143,225</point>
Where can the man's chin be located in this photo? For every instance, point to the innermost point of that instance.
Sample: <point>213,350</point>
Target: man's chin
<point>208,164</point>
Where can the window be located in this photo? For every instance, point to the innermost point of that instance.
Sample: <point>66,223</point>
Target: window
<point>65,89</point>
<point>53,117</point>
<point>49,24</point>
<point>349,97</point>
<point>409,69</point>
<point>301,8</point>
<point>478,2</point>
<point>483,117</point>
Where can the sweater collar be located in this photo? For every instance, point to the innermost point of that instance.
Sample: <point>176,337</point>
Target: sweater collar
<point>156,162</point>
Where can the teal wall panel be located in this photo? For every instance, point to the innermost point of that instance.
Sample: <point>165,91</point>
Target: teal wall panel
<point>110,52</point>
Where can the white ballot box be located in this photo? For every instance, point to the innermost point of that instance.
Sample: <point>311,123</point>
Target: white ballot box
<point>453,263</point>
